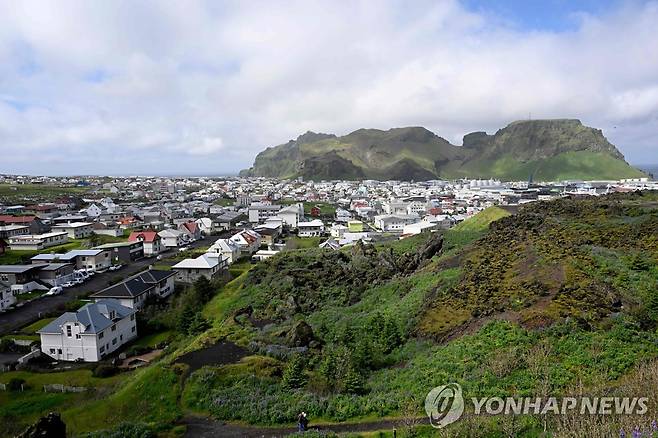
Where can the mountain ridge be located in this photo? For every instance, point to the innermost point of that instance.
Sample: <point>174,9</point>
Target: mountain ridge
<point>548,149</point>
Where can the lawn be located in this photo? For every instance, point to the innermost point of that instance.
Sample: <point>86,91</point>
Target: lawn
<point>36,326</point>
<point>153,339</point>
<point>303,242</point>
<point>29,295</point>
<point>10,193</point>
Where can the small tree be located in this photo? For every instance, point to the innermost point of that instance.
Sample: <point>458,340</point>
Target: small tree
<point>294,376</point>
<point>204,289</point>
<point>353,382</point>
<point>186,318</point>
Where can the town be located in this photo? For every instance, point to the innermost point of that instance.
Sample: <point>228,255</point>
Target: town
<point>112,244</point>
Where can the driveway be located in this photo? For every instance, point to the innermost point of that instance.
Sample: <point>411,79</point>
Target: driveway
<point>32,311</point>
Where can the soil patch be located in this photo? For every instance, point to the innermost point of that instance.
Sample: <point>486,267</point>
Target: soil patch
<point>222,353</point>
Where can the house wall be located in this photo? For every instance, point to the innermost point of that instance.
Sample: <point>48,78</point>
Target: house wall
<point>88,346</point>
<point>6,299</point>
<point>96,263</point>
<point>190,275</point>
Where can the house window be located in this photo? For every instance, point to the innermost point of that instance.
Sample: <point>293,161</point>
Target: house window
<point>132,317</point>
<point>68,331</point>
<point>133,329</point>
<point>114,328</point>
<point>121,337</point>
<point>52,351</point>
<point>59,351</point>
<point>100,335</point>
<point>114,341</point>
<point>102,349</point>
<point>77,336</point>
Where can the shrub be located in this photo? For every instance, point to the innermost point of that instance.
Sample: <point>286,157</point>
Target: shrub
<point>104,370</point>
<point>16,384</point>
<point>293,376</point>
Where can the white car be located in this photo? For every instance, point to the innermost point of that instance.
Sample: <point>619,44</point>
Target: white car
<point>183,249</point>
<point>54,291</point>
<point>68,284</point>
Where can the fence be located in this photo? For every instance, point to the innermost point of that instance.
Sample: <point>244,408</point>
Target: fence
<point>58,387</point>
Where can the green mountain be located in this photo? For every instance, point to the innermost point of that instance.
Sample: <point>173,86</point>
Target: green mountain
<point>544,149</point>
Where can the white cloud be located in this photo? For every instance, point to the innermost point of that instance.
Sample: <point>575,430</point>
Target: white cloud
<point>201,86</point>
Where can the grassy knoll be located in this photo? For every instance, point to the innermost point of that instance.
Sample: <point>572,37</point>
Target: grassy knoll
<point>37,192</point>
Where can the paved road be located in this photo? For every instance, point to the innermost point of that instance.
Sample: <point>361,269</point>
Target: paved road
<point>30,312</point>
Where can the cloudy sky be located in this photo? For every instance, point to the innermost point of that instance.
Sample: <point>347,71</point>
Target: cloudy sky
<point>195,87</point>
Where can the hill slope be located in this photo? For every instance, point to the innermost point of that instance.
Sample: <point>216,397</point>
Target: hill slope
<point>543,149</point>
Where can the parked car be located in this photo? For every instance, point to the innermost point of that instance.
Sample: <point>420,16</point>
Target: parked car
<point>182,249</point>
<point>68,284</point>
<point>54,291</point>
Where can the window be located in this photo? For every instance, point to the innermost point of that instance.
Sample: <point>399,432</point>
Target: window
<point>132,317</point>
<point>52,351</point>
<point>68,331</point>
<point>77,336</point>
<point>114,328</point>
<point>114,341</point>
<point>102,349</point>
<point>59,351</point>
<point>121,337</point>
<point>100,335</point>
<point>133,329</point>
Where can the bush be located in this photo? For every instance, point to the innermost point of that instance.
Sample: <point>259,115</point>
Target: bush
<point>125,430</point>
<point>16,384</point>
<point>104,370</point>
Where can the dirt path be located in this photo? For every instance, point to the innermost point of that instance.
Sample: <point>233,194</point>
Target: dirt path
<point>198,427</point>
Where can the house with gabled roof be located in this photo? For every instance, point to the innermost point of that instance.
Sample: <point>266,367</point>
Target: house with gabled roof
<point>247,240</point>
<point>150,239</point>
<point>191,229</point>
<point>210,265</point>
<point>134,291</point>
<point>91,333</point>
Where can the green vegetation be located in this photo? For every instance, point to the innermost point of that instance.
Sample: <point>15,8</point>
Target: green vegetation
<point>36,326</point>
<point>558,299</point>
<point>37,192</point>
<point>546,150</point>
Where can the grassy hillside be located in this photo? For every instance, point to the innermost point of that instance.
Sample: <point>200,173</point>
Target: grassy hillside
<point>578,165</point>
<point>558,299</point>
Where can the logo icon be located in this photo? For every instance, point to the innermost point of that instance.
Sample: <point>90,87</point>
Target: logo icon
<point>444,405</point>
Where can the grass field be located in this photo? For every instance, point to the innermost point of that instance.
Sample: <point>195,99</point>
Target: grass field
<point>37,192</point>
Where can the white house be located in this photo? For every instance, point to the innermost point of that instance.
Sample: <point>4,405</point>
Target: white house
<point>310,229</point>
<point>134,291</point>
<point>89,259</point>
<point>229,250</point>
<point>259,213</point>
<point>416,207</point>
<point>91,333</point>
<point>247,240</point>
<point>338,230</point>
<point>172,238</point>
<point>292,214</point>
<point>92,211</point>
<point>394,222</point>
<point>75,230</point>
<point>36,242</point>
<point>208,265</point>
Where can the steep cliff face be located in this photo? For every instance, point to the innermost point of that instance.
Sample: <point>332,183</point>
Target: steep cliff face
<point>542,149</point>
